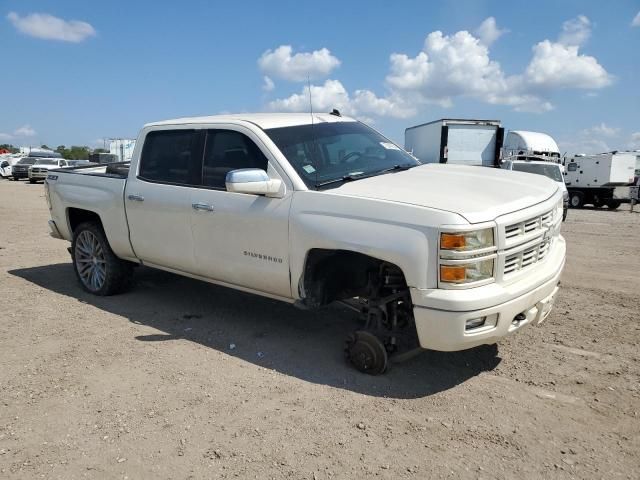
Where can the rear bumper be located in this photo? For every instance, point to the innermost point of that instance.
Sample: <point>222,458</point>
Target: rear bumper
<point>443,329</point>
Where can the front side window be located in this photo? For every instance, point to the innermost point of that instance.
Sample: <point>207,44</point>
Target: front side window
<point>170,156</point>
<point>333,152</point>
<point>228,150</point>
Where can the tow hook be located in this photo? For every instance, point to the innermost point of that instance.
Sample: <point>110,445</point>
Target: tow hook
<point>518,318</point>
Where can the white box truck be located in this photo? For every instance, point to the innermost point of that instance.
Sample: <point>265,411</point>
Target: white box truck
<point>456,141</point>
<point>591,179</point>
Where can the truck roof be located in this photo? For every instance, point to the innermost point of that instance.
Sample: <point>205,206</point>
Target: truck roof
<point>460,121</point>
<point>262,120</point>
<point>536,141</point>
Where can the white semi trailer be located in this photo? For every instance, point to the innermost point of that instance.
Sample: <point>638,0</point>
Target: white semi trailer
<point>591,179</point>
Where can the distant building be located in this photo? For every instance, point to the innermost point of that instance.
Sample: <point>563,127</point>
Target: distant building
<point>122,148</point>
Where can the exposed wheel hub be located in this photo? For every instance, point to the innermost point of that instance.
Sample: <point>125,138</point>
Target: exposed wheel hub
<point>366,352</point>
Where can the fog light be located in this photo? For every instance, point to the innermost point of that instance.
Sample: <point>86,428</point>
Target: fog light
<point>475,323</point>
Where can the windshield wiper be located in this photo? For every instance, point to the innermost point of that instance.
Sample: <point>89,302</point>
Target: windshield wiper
<point>351,177</point>
<point>395,168</point>
<point>345,178</point>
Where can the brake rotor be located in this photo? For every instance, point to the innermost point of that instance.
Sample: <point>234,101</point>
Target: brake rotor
<point>367,353</point>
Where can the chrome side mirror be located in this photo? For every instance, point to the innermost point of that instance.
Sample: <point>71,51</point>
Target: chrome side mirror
<point>252,181</point>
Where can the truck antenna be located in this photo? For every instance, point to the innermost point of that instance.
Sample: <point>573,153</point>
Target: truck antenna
<point>314,147</point>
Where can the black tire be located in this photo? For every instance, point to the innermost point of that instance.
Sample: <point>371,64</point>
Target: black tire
<point>564,214</point>
<point>613,204</point>
<point>576,200</point>
<point>32,181</point>
<point>112,275</point>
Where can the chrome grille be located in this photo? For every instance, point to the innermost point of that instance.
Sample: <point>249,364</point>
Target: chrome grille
<point>527,257</point>
<point>526,227</point>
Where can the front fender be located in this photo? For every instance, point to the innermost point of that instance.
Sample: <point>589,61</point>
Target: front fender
<point>404,235</point>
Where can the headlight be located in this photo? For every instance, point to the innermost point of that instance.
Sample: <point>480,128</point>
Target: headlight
<point>465,241</point>
<point>467,272</point>
<point>466,257</point>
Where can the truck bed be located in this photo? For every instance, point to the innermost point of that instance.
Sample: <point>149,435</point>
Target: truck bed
<point>98,189</point>
<point>115,170</point>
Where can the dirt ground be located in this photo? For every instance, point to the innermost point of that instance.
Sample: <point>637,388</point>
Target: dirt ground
<point>182,379</point>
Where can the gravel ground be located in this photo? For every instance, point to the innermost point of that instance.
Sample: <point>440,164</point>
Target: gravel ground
<point>182,379</point>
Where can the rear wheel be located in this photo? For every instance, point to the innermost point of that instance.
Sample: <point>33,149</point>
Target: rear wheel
<point>576,200</point>
<point>31,180</point>
<point>613,204</point>
<point>98,269</point>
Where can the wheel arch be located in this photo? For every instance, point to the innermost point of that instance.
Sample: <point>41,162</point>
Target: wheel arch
<point>337,274</point>
<point>77,216</point>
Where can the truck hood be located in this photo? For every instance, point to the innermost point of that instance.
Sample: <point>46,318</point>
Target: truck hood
<point>479,194</point>
<point>45,167</point>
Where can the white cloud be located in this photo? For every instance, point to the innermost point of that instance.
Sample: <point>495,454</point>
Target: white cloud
<point>280,63</point>
<point>459,65</point>
<point>48,27</point>
<point>24,131</point>
<point>575,31</point>
<point>601,130</point>
<point>634,141</point>
<point>448,66</point>
<point>488,31</point>
<point>584,145</point>
<point>20,132</point>
<point>267,84</point>
<point>558,66</point>
<point>636,20</point>
<point>597,139</point>
<point>332,94</point>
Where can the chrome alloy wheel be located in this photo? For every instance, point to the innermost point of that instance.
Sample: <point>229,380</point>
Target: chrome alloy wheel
<point>90,261</point>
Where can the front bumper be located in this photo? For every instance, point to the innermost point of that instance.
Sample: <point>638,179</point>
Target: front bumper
<point>55,233</point>
<point>441,315</point>
<point>37,175</point>
<point>20,174</point>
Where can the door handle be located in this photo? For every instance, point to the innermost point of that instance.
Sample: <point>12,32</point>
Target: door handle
<point>202,206</point>
<point>136,198</point>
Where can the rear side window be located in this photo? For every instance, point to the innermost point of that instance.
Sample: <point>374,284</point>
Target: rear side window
<point>228,150</point>
<point>171,156</point>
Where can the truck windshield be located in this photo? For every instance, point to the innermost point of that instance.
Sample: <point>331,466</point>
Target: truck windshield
<point>334,152</point>
<point>551,170</point>
<point>46,162</point>
<point>27,161</point>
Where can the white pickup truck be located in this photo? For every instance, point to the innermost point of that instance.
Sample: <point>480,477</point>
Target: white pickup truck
<point>317,209</point>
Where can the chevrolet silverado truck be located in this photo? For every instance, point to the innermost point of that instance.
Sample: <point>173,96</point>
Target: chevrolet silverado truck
<point>316,209</point>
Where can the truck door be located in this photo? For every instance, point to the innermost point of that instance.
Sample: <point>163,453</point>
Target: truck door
<point>238,238</point>
<point>158,198</point>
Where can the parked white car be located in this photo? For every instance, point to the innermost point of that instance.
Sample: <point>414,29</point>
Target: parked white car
<point>6,163</point>
<point>42,166</point>
<point>313,210</point>
<point>552,170</point>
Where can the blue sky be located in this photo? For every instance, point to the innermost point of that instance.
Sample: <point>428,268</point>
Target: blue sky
<point>570,68</point>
